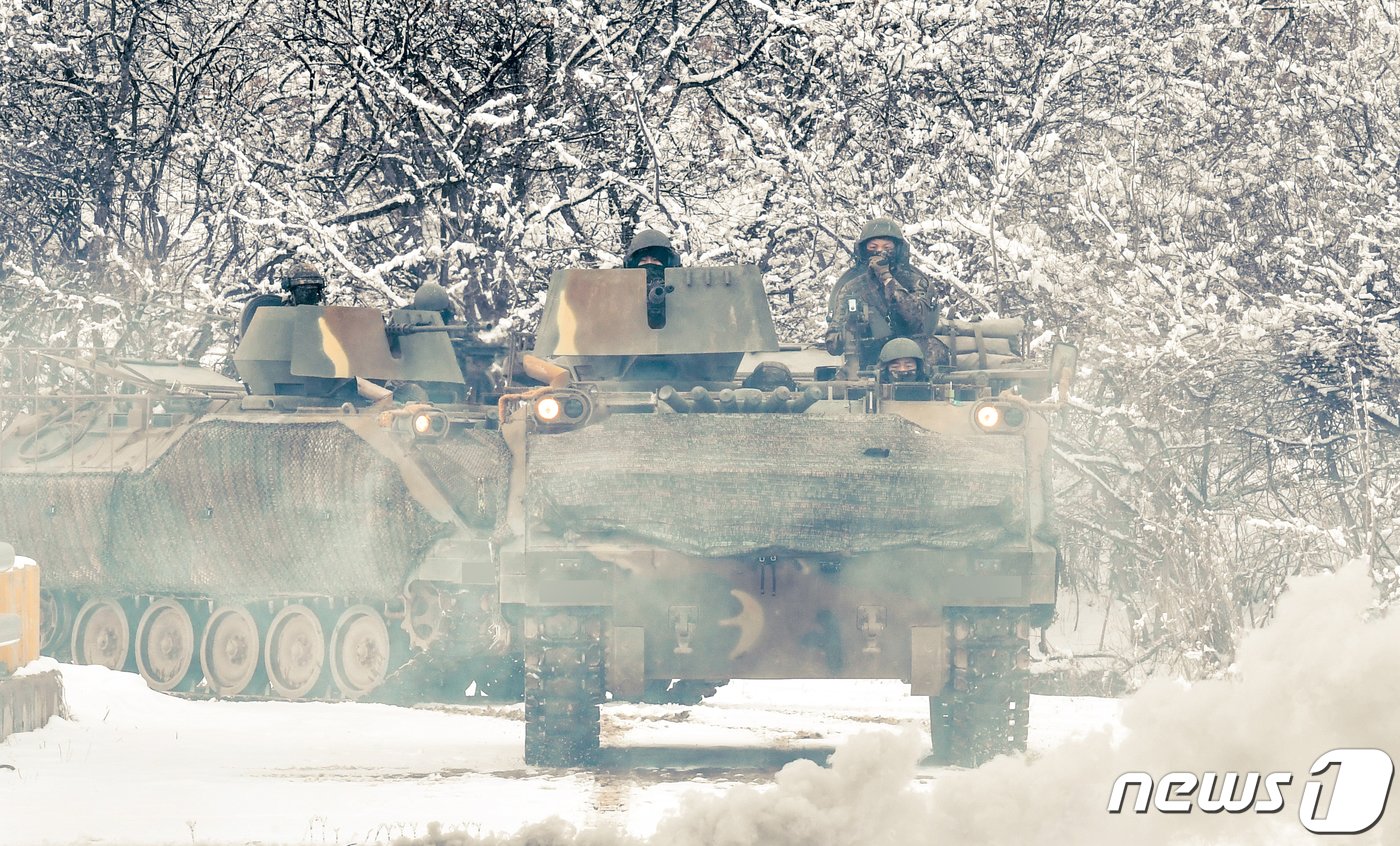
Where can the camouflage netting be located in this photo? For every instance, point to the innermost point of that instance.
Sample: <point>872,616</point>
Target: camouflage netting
<point>232,510</point>
<point>718,484</point>
<point>473,471</point>
<point>66,516</point>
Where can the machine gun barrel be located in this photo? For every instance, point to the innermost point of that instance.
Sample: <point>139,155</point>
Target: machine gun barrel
<point>460,329</point>
<point>656,292</point>
<point>657,289</point>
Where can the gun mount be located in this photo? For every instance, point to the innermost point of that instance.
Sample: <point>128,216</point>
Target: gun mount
<point>595,324</point>
<point>319,351</point>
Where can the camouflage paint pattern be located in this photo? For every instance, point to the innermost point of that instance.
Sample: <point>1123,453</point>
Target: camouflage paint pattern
<point>603,313</point>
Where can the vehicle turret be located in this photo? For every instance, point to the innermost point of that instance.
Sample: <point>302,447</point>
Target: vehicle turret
<point>319,351</point>
<point>683,326</point>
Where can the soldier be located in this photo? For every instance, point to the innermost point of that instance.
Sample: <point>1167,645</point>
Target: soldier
<point>882,297</point>
<point>473,358</point>
<point>650,248</point>
<point>304,283</point>
<point>902,360</point>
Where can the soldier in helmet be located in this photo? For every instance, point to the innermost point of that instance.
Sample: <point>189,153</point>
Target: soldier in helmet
<point>769,375</point>
<point>882,297</point>
<point>652,252</point>
<point>902,360</point>
<point>475,359</point>
<point>304,283</point>
<point>650,248</point>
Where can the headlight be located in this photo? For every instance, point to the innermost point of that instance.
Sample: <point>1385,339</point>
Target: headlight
<point>999,416</point>
<point>547,410</point>
<point>429,424</point>
<point>564,409</point>
<point>419,419</point>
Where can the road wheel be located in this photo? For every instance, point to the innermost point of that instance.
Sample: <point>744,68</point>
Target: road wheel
<point>102,635</point>
<point>165,647</point>
<point>294,652</point>
<point>230,652</point>
<point>360,651</point>
<point>55,625</point>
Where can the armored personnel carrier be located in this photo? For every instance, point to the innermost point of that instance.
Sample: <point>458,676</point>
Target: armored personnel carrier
<point>665,494</point>
<point>666,521</point>
<point>296,533</point>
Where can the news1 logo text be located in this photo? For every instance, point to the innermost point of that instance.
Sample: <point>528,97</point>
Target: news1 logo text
<point>1356,803</point>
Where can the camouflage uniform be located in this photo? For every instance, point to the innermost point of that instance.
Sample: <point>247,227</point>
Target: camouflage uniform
<point>897,298</point>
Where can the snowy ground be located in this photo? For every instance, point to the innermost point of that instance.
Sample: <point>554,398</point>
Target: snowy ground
<point>135,767</point>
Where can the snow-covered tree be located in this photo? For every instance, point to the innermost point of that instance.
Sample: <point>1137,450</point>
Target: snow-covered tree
<point>1201,194</point>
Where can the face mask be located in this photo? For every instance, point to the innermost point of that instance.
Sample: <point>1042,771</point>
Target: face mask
<point>885,250</point>
<point>904,375</point>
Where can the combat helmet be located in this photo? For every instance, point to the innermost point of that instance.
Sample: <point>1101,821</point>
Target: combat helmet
<point>901,348</point>
<point>431,296</point>
<point>883,227</point>
<point>769,375</point>
<point>303,280</point>
<point>897,348</point>
<point>651,241</point>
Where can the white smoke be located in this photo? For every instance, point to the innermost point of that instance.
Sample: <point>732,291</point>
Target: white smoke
<point>1318,678</point>
<point>866,795</point>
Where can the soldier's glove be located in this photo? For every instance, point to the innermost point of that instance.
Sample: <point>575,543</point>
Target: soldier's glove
<point>880,266</point>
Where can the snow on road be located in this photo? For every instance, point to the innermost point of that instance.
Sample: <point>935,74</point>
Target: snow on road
<point>747,767</point>
<point>133,766</point>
